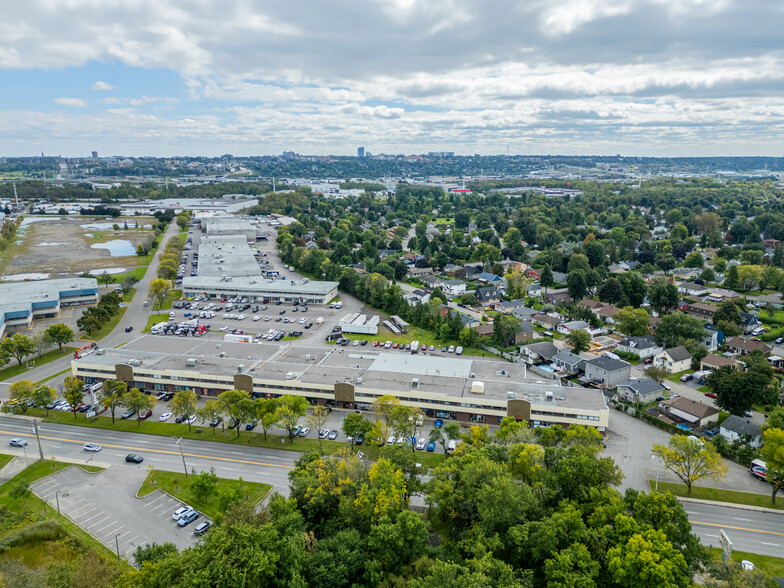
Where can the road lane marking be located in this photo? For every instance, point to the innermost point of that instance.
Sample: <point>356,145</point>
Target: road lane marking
<point>737,528</point>
<point>771,544</point>
<point>144,449</point>
<point>744,520</point>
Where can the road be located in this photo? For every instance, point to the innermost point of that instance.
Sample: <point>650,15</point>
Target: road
<point>230,461</point>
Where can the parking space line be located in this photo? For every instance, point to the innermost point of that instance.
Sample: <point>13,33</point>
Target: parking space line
<point>106,526</point>
<point>78,508</point>
<point>99,513</point>
<point>114,531</point>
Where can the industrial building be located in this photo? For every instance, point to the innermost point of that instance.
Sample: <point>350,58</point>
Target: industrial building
<point>228,225</point>
<point>226,205</point>
<point>478,390</point>
<point>355,322</point>
<point>21,303</point>
<point>227,255</point>
<point>258,289</point>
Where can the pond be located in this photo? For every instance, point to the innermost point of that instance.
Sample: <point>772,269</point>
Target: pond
<point>116,247</point>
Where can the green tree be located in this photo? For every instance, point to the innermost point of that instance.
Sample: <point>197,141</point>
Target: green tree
<point>42,342</point>
<point>634,322</point>
<point>573,566</point>
<point>185,403</point>
<point>443,435</point>
<point>546,279</point>
<point>235,408</point>
<point>694,260</point>
<point>203,484</point>
<point>739,391</point>
<point>399,541</point>
<point>60,334</point>
<point>43,396</point>
<point>137,401</point>
<point>153,553</point>
<point>656,373</point>
<point>89,323</point>
<point>211,410</point>
<point>18,346</point>
<point>354,426</point>
<point>773,453</point>
<point>691,460</point>
<point>666,262</point>
<point>505,329</point>
<point>21,489</point>
<point>266,413</point>
<point>23,392</point>
<point>160,290</point>
<point>113,392</point>
<point>290,409</point>
<point>646,558</point>
<point>578,340</point>
<point>662,296</point>
<point>727,311</point>
<point>731,279</point>
<point>577,285</point>
<point>317,419</point>
<point>677,327</point>
<point>73,391</point>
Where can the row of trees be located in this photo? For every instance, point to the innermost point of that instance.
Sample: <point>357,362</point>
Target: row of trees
<point>95,317</point>
<point>20,346</point>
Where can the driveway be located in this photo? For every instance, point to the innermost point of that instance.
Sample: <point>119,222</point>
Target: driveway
<point>105,505</point>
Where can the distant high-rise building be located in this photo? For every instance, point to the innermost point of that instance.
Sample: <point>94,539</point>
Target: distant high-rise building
<point>360,152</point>
<point>95,155</point>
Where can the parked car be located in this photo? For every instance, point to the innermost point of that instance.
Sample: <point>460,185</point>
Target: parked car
<point>165,416</point>
<point>333,435</point>
<point>145,414</point>
<point>439,423</point>
<point>303,432</point>
<point>202,528</point>
<point>216,421</point>
<point>181,511</point>
<point>133,458</point>
<point>711,395</point>
<point>431,446</point>
<point>323,433</point>
<point>251,425</point>
<point>128,329</point>
<point>187,518</point>
<point>686,377</point>
<point>128,414</point>
<point>421,444</point>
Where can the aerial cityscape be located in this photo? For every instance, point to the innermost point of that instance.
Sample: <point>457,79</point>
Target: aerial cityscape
<point>407,294</point>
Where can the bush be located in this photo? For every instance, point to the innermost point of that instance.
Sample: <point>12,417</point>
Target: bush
<point>47,530</point>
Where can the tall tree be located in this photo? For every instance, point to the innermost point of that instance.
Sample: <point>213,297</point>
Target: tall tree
<point>18,346</point>
<point>675,328</point>
<point>355,426</point>
<point>773,453</point>
<point>22,391</point>
<point>160,290</point>
<point>267,413</point>
<point>290,409</point>
<point>631,321</point>
<point>546,279</point>
<point>234,407</point>
<point>74,392</point>
<point>577,285</point>
<point>662,295</point>
<point>578,340</point>
<point>137,401</point>
<point>318,418</point>
<point>691,460</point>
<point>184,403</point>
<point>43,396</point>
<point>113,392</point>
<point>60,334</point>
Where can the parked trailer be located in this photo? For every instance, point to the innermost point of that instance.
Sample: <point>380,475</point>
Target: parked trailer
<point>415,346</point>
<point>759,469</point>
<point>230,338</point>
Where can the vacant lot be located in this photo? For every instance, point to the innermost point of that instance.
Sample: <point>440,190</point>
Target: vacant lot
<point>54,247</point>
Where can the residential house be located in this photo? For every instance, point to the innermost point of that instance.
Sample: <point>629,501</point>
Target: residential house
<point>533,274</point>
<point>770,244</point>
<point>700,310</point>
<point>488,296</point>
<point>674,359</point>
<point>451,269</point>
<point>509,306</point>
<point>768,300</point>
<point>535,290</point>
<point>546,321</point>
<point>592,304</point>
<point>714,362</point>
<point>454,287</point>
<point>416,297</point>
<point>557,297</point>
<point>640,390</point>
<point>523,312</point>
<point>559,277</point>
<point>511,265</point>
<point>642,347</point>
<point>607,371</point>
<point>607,313</point>
<point>471,272</point>
<point>572,326</point>
<point>735,427</point>
<point>566,361</point>
<point>468,321</point>
<point>749,322</point>
<point>719,295</point>
<point>525,332</point>
<point>416,272</point>
<point>487,278</point>
<point>484,330</point>
<point>692,289</point>
<point>741,346</point>
<point>713,338</point>
<point>536,353</point>
<point>696,414</point>
<point>431,281</point>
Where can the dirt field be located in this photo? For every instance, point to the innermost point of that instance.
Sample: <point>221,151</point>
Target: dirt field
<point>56,247</point>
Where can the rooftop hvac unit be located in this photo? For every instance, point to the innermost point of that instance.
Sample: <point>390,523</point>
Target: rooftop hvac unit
<point>135,362</point>
<point>289,375</point>
<point>548,395</point>
<point>359,381</point>
<point>190,362</point>
<point>99,352</point>
<point>415,383</point>
<point>477,387</point>
<point>240,368</point>
<point>510,395</point>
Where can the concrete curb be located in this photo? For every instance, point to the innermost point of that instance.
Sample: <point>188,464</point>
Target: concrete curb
<point>731,505</point>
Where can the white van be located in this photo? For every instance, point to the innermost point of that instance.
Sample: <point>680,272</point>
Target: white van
<point>459,350</point>
<point>451,446</point>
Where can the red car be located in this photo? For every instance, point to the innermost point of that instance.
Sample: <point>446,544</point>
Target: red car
<point>395,346</point>
<point>375,343</point>
<point>711,395</point>
<point>145,414</point>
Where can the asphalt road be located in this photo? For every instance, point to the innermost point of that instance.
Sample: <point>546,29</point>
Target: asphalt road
<point>230,461</point>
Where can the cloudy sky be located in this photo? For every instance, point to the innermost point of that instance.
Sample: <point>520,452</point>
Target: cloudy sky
<point>206,77</point>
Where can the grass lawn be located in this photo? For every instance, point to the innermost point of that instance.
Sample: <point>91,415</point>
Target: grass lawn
<point>676,377</point>
<point>179,486</point>
<point>106,328</point>
<point>4,459</point>
<point>721,495</point>
<point>154,319</point>
<point>246,438</point>
<point>773,566</point>
<point>36,509</point>
<point>128,296</point>
<point>16,369</point>
<point>137,272</point>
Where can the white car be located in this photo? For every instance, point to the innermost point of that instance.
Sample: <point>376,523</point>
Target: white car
<point>355,342</point>
<point>191,419</point>
<point>421,444</point>
<point>242,317</point>
<point>223,329</point>
<point>267,318</point>
<point>257,317</point>
<point>94,447</point>
<point>165,416</point>
<point>391,440</point>
<point>180,511</point>
<point>302,320</point>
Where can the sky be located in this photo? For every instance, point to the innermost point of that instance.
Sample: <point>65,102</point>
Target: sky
<point>257,77</point>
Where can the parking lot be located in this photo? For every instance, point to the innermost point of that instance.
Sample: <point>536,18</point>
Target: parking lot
<point>104,504</point>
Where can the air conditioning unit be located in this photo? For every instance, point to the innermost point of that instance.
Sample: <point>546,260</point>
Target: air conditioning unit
<point>190,362</point>
<point>415,383</point>
<point>240,368</point>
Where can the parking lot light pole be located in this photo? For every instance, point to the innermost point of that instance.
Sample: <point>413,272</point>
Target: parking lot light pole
<point>117,544</point>
<point>179,444</point>
<point>36,427</point>
<point>25,450</point>
<point>57,498</point>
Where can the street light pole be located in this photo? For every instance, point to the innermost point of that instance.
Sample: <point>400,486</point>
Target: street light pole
<point>25,450</point>
<point>36,426</point>
<point>117,544</point>
<point>178,442</point>
<point>57,498</point>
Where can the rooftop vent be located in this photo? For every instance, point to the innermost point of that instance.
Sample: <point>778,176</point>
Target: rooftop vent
<point>477,387</point>
<point>99,352</point>
<point>223,354</point>
<point>240,368</point>
<point>190,362</point>
<point>415,383</point>
<point>510,395</point>
<point>548,395</point>
<point>359,381</point>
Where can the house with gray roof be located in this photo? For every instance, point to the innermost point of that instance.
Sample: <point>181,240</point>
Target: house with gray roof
<point>736,427</point>
<point>640,390</point>
<point>642,347</point>
<point>567,361</point>
<point>674,360</point>
<point>539,352</point>
<point>606,371</point>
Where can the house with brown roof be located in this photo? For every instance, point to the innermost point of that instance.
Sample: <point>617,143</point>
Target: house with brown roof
<point>557,297</point>
<point>546,321</point>
<point>700,310</point>
<point>696,414</point>
<point>607,313</point>
<point>592,304</point>
<point>713,361</point>
<point>741,346</point>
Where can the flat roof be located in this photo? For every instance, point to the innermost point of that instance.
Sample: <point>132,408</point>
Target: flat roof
<point>257,284</point>
<point>226,255</point>
<point>391,372</point>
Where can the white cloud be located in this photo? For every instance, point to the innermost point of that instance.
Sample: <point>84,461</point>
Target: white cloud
<point>102,86</point>
<point>78,102</point>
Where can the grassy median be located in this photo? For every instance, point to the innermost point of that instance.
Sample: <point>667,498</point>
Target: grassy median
<point>206,433</point>
<point>773,566</point>
<point>211,505</point>
<point>720,495</point>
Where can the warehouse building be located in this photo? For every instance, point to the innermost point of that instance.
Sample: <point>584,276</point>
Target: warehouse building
<point>466,389</point>
<point>227,255</point>
<point>228,225</point>
<point>258,289</point>
<point>225,205</point>
<point>22,303</point>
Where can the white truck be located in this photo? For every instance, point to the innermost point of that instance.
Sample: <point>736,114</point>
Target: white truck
<point>319,320</point>
<point>231,338</point>
<point>415,346</point>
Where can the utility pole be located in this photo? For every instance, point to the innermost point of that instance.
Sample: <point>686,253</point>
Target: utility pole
<point>178,442</point>
<point>38,438</point>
